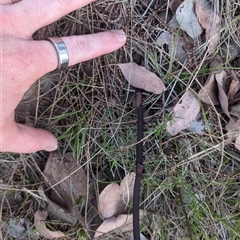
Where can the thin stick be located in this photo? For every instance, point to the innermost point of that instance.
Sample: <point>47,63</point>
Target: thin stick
<point>139,165</point>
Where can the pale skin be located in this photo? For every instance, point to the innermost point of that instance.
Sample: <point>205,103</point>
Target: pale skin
<point>23,61</point>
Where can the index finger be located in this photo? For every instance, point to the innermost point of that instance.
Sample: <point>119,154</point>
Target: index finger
<point>36,14</point>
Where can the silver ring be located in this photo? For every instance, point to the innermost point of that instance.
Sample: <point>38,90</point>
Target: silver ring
<point>62,52</point>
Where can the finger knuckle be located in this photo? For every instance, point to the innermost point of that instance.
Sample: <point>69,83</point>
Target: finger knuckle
<point>59,4</point>
<point>81,46</point>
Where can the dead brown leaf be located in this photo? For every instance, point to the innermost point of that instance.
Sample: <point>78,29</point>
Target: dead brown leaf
<point>209,92</point>
<point>183,113</point>
<point>110,201</point>
<point>69,181</point>
<point>122,223</point>
<point>127,188</point>
<point>39,218</point>
<point>210,21</point>
<point>187,19</point>
<point>234,87</point>
<point>115,199</point>
<point>232,128</point>
<point>140,77</point>
<point>173,5</point>
<point>216,64</point>
<point>57,212</point>
<point>222,96</point>
<point>235,110</point>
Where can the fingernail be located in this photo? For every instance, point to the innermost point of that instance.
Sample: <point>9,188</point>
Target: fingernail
<point>120,35</point>
<point>51,148</point>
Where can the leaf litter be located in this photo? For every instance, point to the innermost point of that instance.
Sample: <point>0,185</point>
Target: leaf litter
<point>39,218</point>
<point>209,93</point>
<point>141,78</point>
<point>215,86</point>
<point>115,200</point>
<point>68,181</point>
<point>183,113</point>
<point>187,19</point>
<point>121,197</point>
<point>122,223</point>
<point>210,21</point>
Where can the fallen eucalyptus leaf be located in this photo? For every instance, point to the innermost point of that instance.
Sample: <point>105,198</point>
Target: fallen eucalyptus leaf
<point>115,199</point>
<point>210,21</point>
<point>140,77</point>
<point>233,128</point>
<point>209,92</point>
<point>57,212</point>
<point>235,110</point>
<point>234,87</point>
<point>164,38</point>
<point>222,96</point>
<point>127,188</point>
<point>130,236</point>
<point>122,223</point>
<point>183,113</point>
<point>40,226</point>
<point>69,181</point>
<point>187,19</point>
<point>233,131</point>
<point>110,201</point>
<point>216,64</point>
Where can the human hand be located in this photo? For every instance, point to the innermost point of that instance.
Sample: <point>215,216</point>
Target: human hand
<point>24,60</point>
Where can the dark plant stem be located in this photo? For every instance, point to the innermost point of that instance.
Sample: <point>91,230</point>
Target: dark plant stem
<point>139,165</point>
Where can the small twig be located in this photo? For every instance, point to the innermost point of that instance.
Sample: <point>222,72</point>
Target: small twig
<point>139,166</point>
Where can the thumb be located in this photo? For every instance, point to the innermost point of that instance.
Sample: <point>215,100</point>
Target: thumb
<point>25,139</point>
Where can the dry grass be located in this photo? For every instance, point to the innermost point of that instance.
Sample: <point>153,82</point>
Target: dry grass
<point>190,187</point>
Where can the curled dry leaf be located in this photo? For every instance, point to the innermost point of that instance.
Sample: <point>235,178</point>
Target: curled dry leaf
<point>57,212</point>
<point>216,64</point>
<point>127,188</point>
<point>184,113</point>
<point>187,19</point>
<point>222,96</point>
<point>233,128</point>
<point>69,181</point>
<point>210,21</point>
<point>235,110</point>
<point>115,199</point>
<point>209,93</point>
<point>140,77</point>
<point>122,223</point>
<point>39,218</point>
<point>234,87</point>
